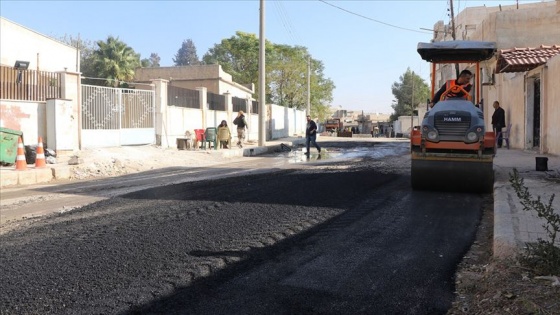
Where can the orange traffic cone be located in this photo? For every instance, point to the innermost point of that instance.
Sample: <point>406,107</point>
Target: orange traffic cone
<point>40,157</point>
<point>21,163</point>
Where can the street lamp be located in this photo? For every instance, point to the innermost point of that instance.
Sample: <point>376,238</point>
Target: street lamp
<point>20,66</point>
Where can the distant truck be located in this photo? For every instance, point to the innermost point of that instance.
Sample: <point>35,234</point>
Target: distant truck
<point>333,125</point>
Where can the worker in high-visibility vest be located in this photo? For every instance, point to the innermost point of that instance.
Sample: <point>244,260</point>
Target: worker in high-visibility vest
<point>455,87</point>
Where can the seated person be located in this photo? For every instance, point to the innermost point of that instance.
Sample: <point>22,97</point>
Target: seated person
<point>464,81</point>
<point>224,135</point>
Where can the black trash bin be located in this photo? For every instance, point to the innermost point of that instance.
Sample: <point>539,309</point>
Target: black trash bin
<point>541,163</point>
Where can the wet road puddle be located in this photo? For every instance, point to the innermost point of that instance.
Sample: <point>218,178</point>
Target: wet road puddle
<point>297,155</point>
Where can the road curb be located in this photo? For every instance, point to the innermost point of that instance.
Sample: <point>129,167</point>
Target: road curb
<point>504,244</point>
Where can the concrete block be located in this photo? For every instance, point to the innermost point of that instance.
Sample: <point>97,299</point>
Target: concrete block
<point>75,161</point>
<point>230,152</point>
<point>255,151</point>
<point>43,175</point>
<point>26,177</point>
<point>61,172</point>
<point>504,248</point>
<point>8,178</point>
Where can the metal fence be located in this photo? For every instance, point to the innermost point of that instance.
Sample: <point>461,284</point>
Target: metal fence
<point>238,104</point>
<point>29,85</point>
<point>177,96</point>
<point>113,108</point>
<point>254,107</point>
<point>216,101</point>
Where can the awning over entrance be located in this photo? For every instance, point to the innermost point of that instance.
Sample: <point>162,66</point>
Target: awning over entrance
<point>524,59</point>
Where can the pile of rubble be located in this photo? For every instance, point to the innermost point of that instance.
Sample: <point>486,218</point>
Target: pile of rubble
<point>107,162</point>
<point>81,170</point>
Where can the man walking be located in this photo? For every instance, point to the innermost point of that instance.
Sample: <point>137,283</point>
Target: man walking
<point>311,135</point>
<point>241,124</point>
<point>498,121</point>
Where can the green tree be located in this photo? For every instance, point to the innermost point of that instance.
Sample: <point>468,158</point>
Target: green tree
<point>238,56</point>
<point>286,71</point>
<point>152,62</point>
<point>409,92</point>
<point>287,76</point>
<point>186,55</point>
<point>115,61</point>
<point>87,60</point>
<point>321,91</point>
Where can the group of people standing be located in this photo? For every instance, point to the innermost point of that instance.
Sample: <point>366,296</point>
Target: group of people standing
<point>224,134</point>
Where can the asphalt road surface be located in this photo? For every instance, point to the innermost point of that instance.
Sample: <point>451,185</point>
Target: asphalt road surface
<point>340,237</point>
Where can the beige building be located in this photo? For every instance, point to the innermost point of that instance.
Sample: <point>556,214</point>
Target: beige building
<point>212,77</point>
<point>25,93</point>
<point>526,35</point>
<point>42,52</point>
<point>365,122</point>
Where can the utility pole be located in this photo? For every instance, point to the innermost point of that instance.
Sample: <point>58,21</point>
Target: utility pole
<point>308,85</point>
<point>412,106</point>
<point>262,81</point>
<point>453,34</point>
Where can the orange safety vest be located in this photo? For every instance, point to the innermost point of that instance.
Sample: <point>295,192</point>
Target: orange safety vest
<point>456,89</point>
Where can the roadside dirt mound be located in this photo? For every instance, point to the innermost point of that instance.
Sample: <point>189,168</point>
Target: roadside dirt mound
<point>485,285</point>
<point>107,162</point>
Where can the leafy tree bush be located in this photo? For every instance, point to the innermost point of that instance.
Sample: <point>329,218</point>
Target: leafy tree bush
<point>286,71</point>
<point>87,66</point>
<point>186,55</point>
<point>152,62</point>
<point>115,61</point>
<point>409,92</point>
<point>543,256</point>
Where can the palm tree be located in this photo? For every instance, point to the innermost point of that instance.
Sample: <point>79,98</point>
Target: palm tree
<point>115,61</point>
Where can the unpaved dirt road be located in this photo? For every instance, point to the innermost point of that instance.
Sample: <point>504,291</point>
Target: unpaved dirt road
<point>340,237</point>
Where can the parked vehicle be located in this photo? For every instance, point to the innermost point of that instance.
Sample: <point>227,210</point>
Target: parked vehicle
<point>333,125</point>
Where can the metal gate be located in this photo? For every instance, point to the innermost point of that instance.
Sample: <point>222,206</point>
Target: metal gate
<point>114,116</point>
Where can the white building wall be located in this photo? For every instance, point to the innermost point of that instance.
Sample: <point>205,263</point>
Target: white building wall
<point>45,54</point>
<point>180,119</point>
<point>27,117</point>
<point>286,122</point>
<point>551,114</point>
<point>511,99</point>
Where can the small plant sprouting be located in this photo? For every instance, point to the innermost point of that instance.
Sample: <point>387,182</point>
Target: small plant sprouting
<point>542,256</point>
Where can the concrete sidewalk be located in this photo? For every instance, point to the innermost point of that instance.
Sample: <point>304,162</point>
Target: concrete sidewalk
<point>513,227</point>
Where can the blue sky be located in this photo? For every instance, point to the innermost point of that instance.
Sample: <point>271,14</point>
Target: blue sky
<point>362,55</point>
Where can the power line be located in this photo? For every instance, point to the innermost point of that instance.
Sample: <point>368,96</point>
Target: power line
<point>374,20</point>
<point>285,20</point>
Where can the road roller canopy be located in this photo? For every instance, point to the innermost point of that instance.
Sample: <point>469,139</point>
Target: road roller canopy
<point>456,51</point>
